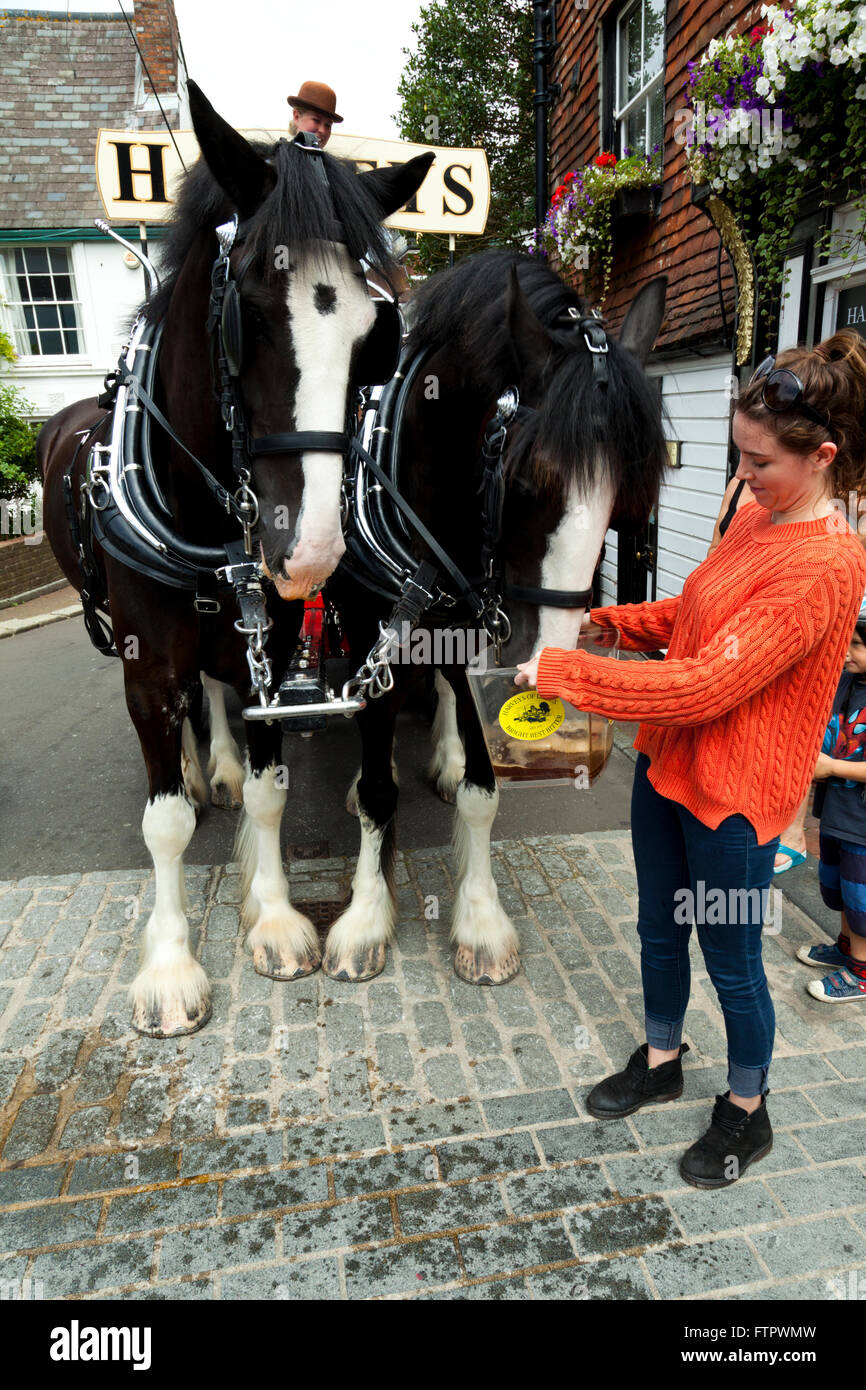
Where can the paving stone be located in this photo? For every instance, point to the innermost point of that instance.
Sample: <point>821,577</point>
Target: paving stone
<point>186,1291</point>
<point>557,1189</point>
<point>10,1070</point>
<point>620,970</point>
<point>223,924</point>
<point>746,1203</point>
<point>475,1158</point>
<point>799,1071</point>
<point>300,1280</point>
<point>507,1248</point>
<point>805,1290</point>
<point>490,1291</point>
<point>445,1077</point>
<point>834,1141</point>
<point>806,1194</point>
<point>838,1101</point>
<point>337,1137</point>
<point>239,1243</point>
<point>605,1230</point>
<point>401,1269</point>
<point>268,1191</point>
<point>195,1116</point>
<point>593,995</point>
<point>119,1170</point>
<point>218,958</point>
<point>50,1223</point>
<point>13,903</point>
<point>144,1108</point>
<point>533,1057</point>
<point>492,1076</point>
<point>704,1035</point>
<point>85,1127</point>
<point>616,1280</point>
<point>90,1267</point>
<point>332,1228</point>
<point>394,1057</point>
<point>85,901</point>
<point>529,937</point>
<point>252,987</point>
<point>448,1208</point>
<point>786,1154</point>
<point>229,890</point>
<point>5,996</point>
<point>254,1029</point>
<point>30,1184</point>
<point>32,1129</point>
<point>586,1140</point>
<point>384,1003</point>
<point>817,1245</point>
<point>204,1053</point>
<point>514,1112</point>
<point>515,1007</point>
<point>435,1122</point>
<point>38,921</point>
<point>421,978</point>
<point>299,1055</point>
<point>431,1021</point>
<point>16,961</point>
<point>248,1111</point>
<point>634,1177</point>
<point>100,959</point>
<point>294,1104</point>
<point>349,1085</point>
<point>168,1206</point>
<point>572,955</point>
<point>481,1038</point>
<point>595,929</point>
<point>685,1270</point>
<point>671,1124</point>
<point>385,1172</point>
<point>345,1028</point>
<point>619,1041</point>
<point>850,1063</point>
<point>56,1062</point>
<point>252,1074</point>
<point>544,978</point>
<point>47,979</point>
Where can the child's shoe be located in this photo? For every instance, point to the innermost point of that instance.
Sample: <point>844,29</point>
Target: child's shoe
<point>827,956</point>
<point>841,985</point>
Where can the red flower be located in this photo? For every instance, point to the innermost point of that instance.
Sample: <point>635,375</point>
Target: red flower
<point>605,161</point>
<point>758,33</point>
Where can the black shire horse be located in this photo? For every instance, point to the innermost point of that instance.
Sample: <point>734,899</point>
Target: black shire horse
<point>581,455</point>
<point>298,328</point>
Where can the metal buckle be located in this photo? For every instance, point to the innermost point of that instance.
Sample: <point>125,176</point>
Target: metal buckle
<point>206,605</point>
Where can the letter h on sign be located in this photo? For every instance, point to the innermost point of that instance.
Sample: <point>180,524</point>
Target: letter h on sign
<point>155,171</point>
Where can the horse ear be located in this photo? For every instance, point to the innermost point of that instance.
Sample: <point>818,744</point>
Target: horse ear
<point>239,171</point>
<point>394,186</point>
<point>644,317</point>
<point>530,342</point>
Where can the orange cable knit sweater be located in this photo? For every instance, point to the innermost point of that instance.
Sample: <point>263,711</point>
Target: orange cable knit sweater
<point>732,720</point>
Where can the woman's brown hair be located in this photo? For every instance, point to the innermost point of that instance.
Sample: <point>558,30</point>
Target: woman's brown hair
<point>834,381</point>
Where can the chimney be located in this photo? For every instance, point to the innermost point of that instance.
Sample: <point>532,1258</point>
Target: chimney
<point>155,25</point>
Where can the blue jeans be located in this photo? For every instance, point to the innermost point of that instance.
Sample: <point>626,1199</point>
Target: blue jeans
<point>688,873</point>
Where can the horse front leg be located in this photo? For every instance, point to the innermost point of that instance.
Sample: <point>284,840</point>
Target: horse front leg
<point>224,767</point>
<point>170,995</point>
<point>283,941</point>
<point>447,764</point>
<point>487,945</point>
<point>355,947</point>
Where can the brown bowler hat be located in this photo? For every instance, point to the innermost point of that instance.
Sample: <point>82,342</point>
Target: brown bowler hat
<point>316,96</point>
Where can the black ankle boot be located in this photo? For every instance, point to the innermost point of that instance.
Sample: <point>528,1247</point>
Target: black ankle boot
<point>637,1085</point>
<point>734,1139</point>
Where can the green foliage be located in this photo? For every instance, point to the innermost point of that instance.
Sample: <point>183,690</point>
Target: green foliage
<point>469,83</point>
<point>7,351</point>
<point>19,469</point>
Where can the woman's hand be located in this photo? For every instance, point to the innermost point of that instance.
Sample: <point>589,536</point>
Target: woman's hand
<point>823,768</point>
<point>527,674</point>
<point>590,629</point>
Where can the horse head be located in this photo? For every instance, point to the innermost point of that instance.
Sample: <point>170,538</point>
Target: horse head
<point>591,450</point>
<point>295,321</point>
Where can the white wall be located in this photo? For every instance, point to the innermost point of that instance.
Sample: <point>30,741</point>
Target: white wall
<point>109,293</point>
<point>696,398</point>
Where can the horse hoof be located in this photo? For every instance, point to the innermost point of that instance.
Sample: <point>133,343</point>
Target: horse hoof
<point>447,792</point>
<point>223,797</point>
<point>358,965</point>
<point>478,968</point>
<point>169,1021</point>
<point>276,966</point>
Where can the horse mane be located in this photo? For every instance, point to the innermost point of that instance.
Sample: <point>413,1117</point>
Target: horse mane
<point>576,430</point>
<point>298,214</point>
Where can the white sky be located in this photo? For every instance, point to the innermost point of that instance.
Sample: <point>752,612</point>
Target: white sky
<point>248,55</point>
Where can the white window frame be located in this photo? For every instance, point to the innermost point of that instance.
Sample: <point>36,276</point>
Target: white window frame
<point>621,114</point>
<point>9,297</point>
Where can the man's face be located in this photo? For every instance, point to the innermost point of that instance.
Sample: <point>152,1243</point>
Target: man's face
<point>311,120</point>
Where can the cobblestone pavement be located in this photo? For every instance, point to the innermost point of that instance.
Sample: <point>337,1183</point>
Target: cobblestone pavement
<point>412,1136</point>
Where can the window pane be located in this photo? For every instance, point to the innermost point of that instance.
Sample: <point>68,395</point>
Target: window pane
<point>19,261</point>
<point>34,342</point>
<point>40,287</point>
<point>23,291</point>
<point>635,131</point>
<point>51,342</point>
<point>67,315</point>
<point>59,260</point>
<point>630,56</point>
<point>656,117</point>
<point>46,316</point>
<point>70,341</point>
<point>63,287</point>
<point>654,38</point>
<point>29,316</point>
<point>37,260</point>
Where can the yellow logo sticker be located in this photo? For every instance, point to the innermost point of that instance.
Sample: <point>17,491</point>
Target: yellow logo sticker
<point>527,716</point>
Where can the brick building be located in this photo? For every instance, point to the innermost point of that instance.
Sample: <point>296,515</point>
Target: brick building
<point>622,68</point>
<point>66,291</point>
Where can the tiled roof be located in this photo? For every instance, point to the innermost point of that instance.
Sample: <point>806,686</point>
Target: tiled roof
<point>60,80</point>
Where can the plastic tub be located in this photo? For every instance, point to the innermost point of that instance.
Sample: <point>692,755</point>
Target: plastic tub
<point>536,741</point>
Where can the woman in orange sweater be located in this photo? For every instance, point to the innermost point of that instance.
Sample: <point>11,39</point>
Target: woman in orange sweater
<point>731,723</point>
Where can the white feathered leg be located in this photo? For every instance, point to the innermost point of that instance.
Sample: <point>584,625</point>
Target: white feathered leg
<point>487,946</point>
<point>283,942</point>
<point>448,762</point>
<point>224,767</point>
<point>170,994</point>
<point>355,948</point>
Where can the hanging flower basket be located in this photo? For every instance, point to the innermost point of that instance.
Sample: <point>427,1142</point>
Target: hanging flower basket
<point>577,229</point>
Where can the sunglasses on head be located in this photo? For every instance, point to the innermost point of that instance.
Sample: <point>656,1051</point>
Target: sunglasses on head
<point>783,390</point>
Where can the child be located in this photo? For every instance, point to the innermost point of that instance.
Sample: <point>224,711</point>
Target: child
<point>841,803</point>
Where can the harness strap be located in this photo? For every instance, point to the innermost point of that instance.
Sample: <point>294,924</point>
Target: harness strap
<point>301,441</point>
<point>549,598</point>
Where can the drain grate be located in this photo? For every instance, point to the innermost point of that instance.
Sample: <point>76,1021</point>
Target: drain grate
<point>312,849</point>
<point>323,913</point>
